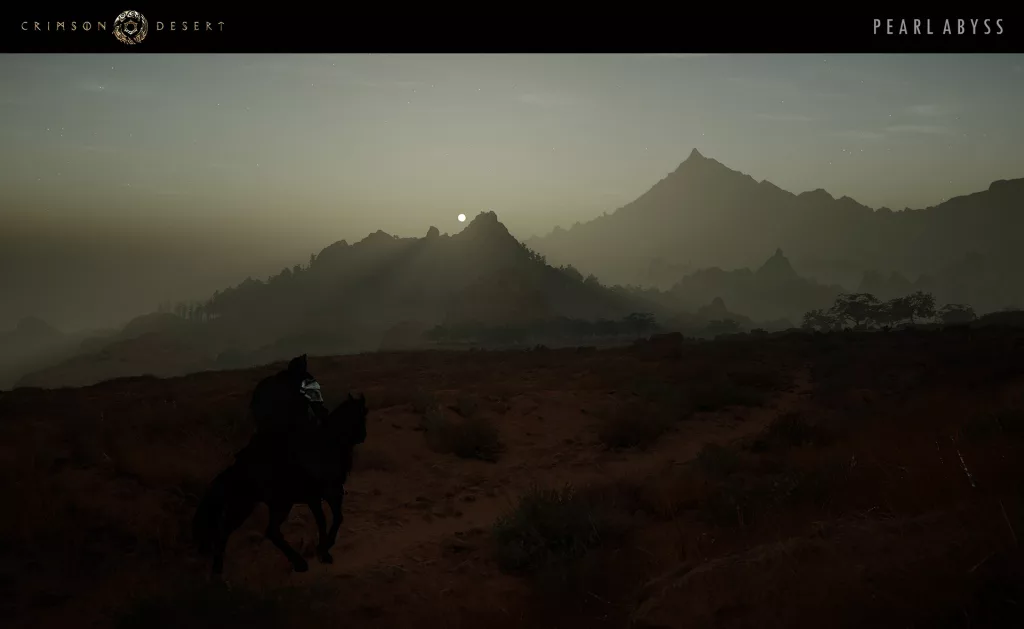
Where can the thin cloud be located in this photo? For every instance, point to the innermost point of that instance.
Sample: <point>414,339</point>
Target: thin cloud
<point>926,110</point>
<point>859,134</point>
<point>789,88</point>
<point>828,94</point>
<point>121,89</point>
<point>785,117</point>
<point>97,148</point>
<point>166,192</point>
<point>927,129</point>
<point>339,71</point>
<point>229,166</point>
<point>545,99</point>
<point>386,84</point>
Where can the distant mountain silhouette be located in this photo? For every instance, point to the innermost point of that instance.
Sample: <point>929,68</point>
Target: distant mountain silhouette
<point>776,270</point>
<point>482,272</point>
<point>31,336</point>
<point>381,292</point>
<point>30,345</point>
<point>774,291</point>
<point>705,214</point>
<point>709,321</point>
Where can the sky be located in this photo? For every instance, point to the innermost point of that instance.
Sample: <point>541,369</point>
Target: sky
<point>176,174</point>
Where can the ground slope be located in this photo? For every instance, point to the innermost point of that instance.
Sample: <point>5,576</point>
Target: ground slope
<point>792,480</point>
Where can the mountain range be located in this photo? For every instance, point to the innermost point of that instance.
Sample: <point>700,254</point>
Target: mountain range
<point>383,291</point>
<point>705,214</point>
<point>703,246</point>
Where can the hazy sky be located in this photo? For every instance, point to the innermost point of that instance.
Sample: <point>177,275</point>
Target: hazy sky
<point>274,157</point>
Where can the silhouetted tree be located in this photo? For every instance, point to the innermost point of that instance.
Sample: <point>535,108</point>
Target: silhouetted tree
<point>922,305</point>
<point>583,328</point>
<point>572,272</point>
<point>900,309</point>
<point>606,327</point>
<point>722,326</point>
<point>819,320</point>
<point>882,315</point>
<point>640,322</point>
<point>855,307</point>
<point>533,255</point>
<point>210,309</point>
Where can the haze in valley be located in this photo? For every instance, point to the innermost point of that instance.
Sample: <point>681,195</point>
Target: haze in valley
<point>135,183</point>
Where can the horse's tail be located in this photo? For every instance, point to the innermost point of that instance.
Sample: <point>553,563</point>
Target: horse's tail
<point>209,514</point>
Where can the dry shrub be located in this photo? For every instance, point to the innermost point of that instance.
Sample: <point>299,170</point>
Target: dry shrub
<point>791,429</point>
<point>764,377</point>
<point>387,398</point>
<point>475,438</point>
<point>467,406</point>
<point>423,401</point>
<point>728,487</point>
<point>721,392</point>
<point>550,531</point>
<point>633,426</point>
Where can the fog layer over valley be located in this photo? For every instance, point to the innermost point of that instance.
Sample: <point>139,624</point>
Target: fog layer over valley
<point>192,213</point>
<point>481,287</point>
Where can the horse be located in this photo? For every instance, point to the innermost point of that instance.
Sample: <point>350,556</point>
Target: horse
<point>261,475</point>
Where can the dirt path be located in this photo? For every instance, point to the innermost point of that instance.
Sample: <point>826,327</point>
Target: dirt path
<point>360,547</point>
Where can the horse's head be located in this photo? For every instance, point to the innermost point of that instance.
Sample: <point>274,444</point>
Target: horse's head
<point>348,419</point>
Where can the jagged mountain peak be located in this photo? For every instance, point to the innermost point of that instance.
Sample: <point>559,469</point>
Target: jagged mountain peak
<point>698,162</point>
<point>777,268</point>
<point>705,173</point>
<point>818,194</point>
<point>486,225</point>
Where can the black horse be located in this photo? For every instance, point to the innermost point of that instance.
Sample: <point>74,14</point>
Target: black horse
<point>261,474</point>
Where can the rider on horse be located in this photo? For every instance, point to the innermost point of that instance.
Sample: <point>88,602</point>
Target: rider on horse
<point>287,407</point>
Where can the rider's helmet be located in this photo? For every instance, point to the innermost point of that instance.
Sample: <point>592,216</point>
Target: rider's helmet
<point>310,388</point>
<point>315,410</point>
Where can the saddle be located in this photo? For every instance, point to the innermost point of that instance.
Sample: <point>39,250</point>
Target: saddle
<point>267,451</point>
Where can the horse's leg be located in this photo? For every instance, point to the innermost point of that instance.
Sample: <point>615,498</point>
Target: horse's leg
<point>334,501</point>
<point>235,513</point>
<point>278,514</point>
<point>316,507</point>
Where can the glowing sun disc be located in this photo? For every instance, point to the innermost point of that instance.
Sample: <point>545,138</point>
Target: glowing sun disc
<point>462,218</point>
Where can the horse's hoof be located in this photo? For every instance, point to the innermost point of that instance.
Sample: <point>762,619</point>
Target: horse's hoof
<point>301,566</point>
<point>325,557</point>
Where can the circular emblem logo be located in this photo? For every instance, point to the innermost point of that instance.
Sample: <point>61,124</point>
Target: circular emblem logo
<point>131,27</point>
